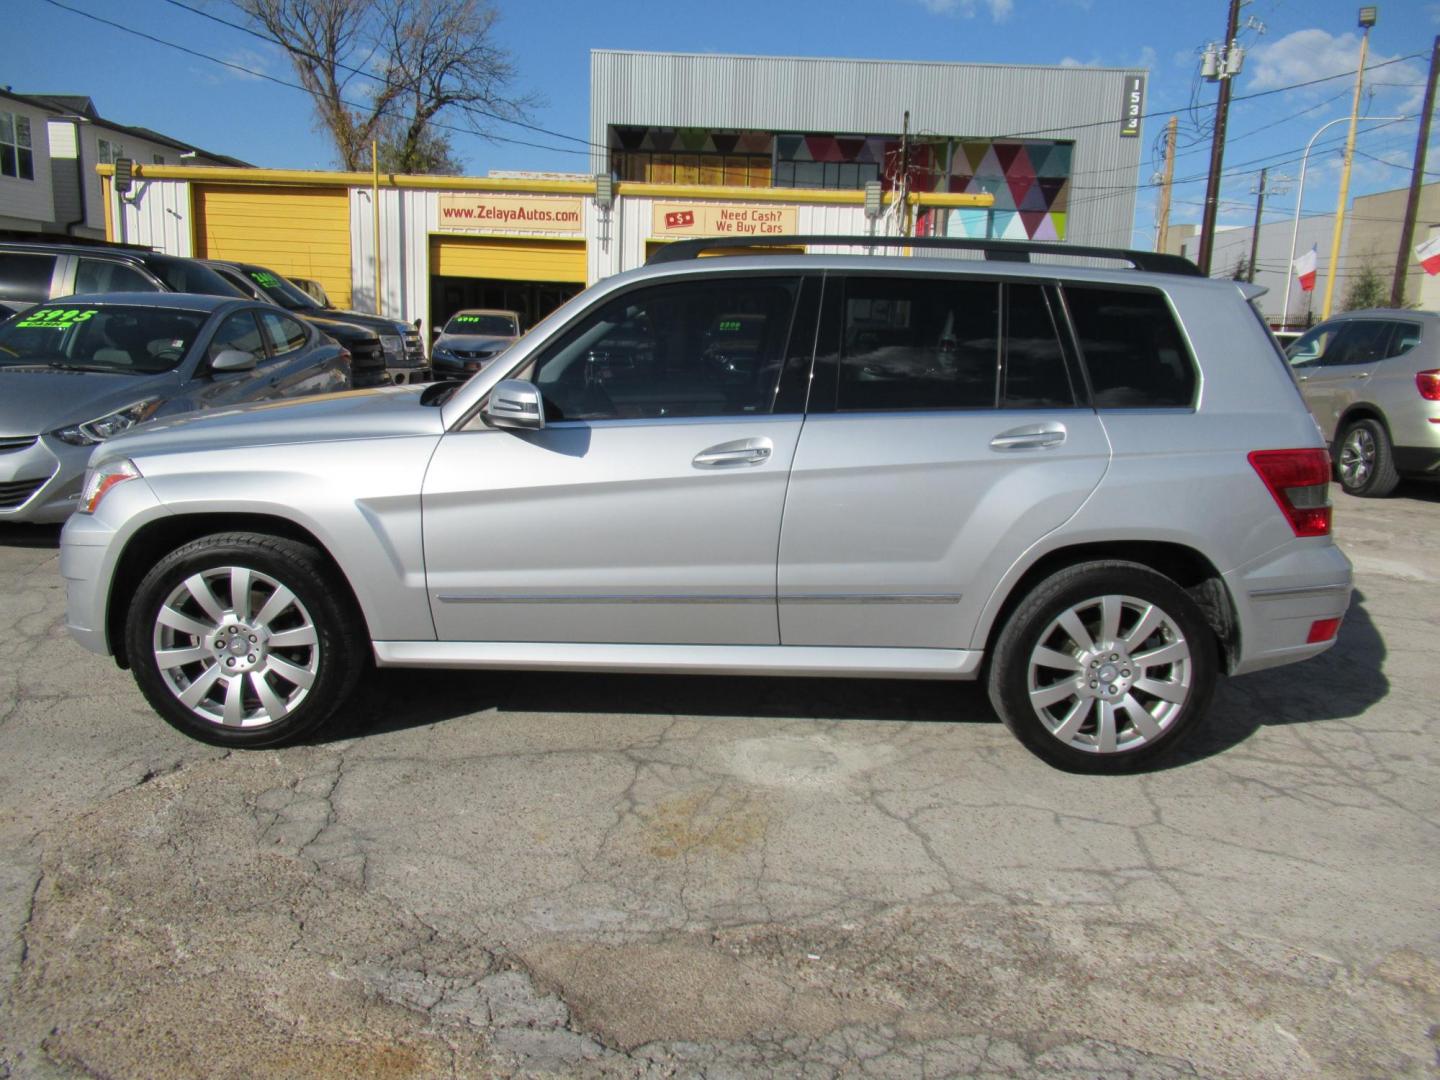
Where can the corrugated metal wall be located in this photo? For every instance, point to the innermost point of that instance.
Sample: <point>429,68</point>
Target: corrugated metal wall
<point>871,96</point>
<point>155,213</point>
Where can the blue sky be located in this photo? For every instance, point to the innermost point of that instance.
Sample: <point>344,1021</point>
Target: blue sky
<point>235,112</point>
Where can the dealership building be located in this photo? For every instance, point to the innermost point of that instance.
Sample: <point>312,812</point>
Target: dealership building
<point>682,146</point>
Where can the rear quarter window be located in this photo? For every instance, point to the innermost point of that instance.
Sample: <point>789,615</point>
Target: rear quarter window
<point>1132,348</point>
<point>25,277</point>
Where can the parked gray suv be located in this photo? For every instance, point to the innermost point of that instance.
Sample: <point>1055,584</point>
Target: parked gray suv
<point>1372,380</point>
<point>1096,489</point>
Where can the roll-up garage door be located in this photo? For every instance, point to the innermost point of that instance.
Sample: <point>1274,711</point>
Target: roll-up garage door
<point>297,231</point>
<point>509,259</point>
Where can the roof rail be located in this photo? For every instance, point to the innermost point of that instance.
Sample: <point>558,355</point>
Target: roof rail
<point>995,250</point>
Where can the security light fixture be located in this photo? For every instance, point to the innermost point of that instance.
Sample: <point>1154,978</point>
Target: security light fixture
<point>124,169</point>
<point>604,191</point>
<point>872,199</point>
<point>1368,15</point>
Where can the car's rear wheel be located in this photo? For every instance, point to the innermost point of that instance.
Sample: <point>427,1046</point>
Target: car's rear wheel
<point>1366,464</point>
<point>244,640</point>
<point>1103,666</point>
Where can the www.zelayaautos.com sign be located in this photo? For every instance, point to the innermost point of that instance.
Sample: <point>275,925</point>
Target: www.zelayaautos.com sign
<point>476,213</point>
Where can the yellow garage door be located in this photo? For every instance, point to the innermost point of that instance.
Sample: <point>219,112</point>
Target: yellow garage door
<point>297,231</point>
<point>507,259</point>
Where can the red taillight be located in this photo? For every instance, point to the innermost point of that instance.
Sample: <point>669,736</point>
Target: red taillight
<point>1299,480</point>
<point>346,358</point>
<point>1428,383</point>
<point>1322,630</point>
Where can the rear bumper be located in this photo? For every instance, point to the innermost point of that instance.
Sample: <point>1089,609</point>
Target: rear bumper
<point>1279,597</point>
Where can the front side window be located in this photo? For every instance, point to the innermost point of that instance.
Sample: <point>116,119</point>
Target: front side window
<point>1310,349</point>
<point>102,276</point>
<point>1132,348</point>
<point>710,347</point>
<point>120,339</point>
<point>1362,341</point>
<point>284,334</point>
<point>17,156</point>
<point>919,343</point>
<point>238,332</point>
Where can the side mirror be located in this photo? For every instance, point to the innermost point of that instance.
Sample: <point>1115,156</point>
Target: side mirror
<point>233,360</point>
<point>514,403</point>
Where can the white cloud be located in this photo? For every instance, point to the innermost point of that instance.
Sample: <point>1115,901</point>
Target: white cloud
<point>1306,55</point>
<point>999,9</point>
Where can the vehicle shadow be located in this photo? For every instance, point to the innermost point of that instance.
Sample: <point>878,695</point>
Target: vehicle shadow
<point>1342,683</point>
<point>1419,490</point>
<point>1337,685</point>
<point>30,536</point>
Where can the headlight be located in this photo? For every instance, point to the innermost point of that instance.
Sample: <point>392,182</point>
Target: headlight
<point>104,427</point>
<point>393,345</point>
<point>98,483</point>
<point>443,354</point>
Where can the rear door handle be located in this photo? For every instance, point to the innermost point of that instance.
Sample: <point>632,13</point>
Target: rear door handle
<point>740,452</point>
<point>1030,437</point>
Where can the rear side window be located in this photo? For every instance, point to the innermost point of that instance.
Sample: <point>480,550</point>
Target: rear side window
<point>103,276</point>
<point>1362,341</point>
<point>1406,337</point>
<point>284,333</point>
<point>919,343</point>
<point>238,332</point>
<point>184,275</point>
<point>1133,350</point>
<point>24,276</point>
<point>1034,375</point>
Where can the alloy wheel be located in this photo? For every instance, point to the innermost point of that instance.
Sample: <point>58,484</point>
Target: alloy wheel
<point>1110,674</point>
<point>1357,457</point>
<point>236,647</point>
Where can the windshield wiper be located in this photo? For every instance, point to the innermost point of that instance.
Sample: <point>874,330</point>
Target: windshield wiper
<point>104,369</point>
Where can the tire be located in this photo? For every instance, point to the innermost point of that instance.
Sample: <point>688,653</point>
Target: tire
<point>257,673</point>
<point>1075,622</point>
<point>1365,462</point>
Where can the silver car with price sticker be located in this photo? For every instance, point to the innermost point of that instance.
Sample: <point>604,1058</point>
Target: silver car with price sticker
<point>1098,490</point>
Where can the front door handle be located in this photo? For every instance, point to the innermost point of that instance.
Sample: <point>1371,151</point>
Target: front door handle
<point>1030,437</point>
<point>740,452</point>
<point>1361,375</point>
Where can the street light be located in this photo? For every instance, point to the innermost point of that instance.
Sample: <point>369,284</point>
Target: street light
<point>1300,199</point>
<point>1367,20</point>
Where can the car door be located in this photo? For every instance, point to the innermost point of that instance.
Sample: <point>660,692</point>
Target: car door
<point>1345,367</point>
<point>647,510</point>
<point>935,449</point>
<point>237,331</point>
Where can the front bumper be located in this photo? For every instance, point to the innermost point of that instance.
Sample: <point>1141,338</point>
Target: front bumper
<point>41,482</point>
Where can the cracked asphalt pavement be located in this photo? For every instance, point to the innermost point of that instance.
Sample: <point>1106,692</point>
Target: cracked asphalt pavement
<point>524,874</point>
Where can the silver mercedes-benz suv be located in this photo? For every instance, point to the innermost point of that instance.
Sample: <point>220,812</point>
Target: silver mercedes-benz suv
<point>1097,489</point>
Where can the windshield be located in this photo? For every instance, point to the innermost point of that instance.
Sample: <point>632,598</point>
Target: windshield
<point>120,339</point>
<point>280,290</point>
<point>499,325</point>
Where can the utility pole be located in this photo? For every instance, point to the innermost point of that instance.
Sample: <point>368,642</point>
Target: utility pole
<point>1417,177</point>
<point>1367,20</point>
<point>905,175</point>
<point>1162,236</point>
<point>1224,68</point>
<point>1255,232</point>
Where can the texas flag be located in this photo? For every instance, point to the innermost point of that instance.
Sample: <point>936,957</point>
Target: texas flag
<point>1305,270</point>
<point>1429,255</point>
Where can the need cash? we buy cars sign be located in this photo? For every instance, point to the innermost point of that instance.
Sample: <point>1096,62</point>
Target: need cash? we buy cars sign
<point>722,219</point>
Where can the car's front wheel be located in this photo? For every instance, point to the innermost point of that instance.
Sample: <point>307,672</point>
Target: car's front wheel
<point>1103,666</point>
<point>243,639</point>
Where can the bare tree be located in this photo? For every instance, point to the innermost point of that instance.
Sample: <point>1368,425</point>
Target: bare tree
<point>391,69</point>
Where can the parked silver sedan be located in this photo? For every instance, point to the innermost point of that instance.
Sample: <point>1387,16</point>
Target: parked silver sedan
<point>471,339</point>
<point>76,371</point>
